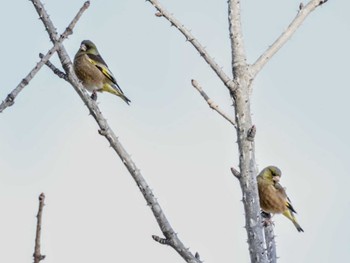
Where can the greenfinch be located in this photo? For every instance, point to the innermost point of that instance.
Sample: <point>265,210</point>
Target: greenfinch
<point>94,73</point>
<point>273,197</point>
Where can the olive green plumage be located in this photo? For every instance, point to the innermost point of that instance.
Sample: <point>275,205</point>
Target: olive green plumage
<point>93,71</point>
<point>273,197</point>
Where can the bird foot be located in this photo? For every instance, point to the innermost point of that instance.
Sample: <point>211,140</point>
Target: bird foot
<point>267,219</point>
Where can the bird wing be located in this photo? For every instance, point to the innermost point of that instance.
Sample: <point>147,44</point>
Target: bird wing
<point>282,192</point>
<point>98,61</point>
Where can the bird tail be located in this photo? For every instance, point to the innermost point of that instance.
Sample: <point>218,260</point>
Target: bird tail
<point>116,90</point>
<point>289,214</point>
<point>298,227</point>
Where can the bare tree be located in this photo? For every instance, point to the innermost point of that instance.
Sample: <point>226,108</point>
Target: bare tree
<point>239,85</point>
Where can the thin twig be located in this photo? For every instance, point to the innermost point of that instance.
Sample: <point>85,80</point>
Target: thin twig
<point>285,36</point>
<point>10,99</point>
<point>55,70</point>
<point>37,253</point>
<point>188,35</point>
<point>108,133</point>
<point>211,103</point>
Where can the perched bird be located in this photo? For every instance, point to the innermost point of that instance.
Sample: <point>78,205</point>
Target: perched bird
<point>273,197</point>
<point>94,73</point>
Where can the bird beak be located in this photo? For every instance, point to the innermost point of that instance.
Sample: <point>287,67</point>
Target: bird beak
<point>82,47</point>
<point>276,179</point>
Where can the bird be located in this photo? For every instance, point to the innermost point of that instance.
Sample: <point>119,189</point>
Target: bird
<point>94,73</point>
<point>273,197</point>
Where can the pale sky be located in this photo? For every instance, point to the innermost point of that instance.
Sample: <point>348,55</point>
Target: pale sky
<point>94,211</point>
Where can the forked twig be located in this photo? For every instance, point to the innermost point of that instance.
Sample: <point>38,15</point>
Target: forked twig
<point>10,99</point>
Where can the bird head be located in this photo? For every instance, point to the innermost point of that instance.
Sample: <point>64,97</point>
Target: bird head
<point>275,173</point>
<point>87,46</point>
<point>271,173</point>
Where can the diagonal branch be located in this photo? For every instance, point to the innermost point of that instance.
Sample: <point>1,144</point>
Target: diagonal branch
<point>37,253</point>
<point>108,133</point>
<point>304,11</point>
<point>10,99</point>
<point>188,35</point>
<point>211,103</point>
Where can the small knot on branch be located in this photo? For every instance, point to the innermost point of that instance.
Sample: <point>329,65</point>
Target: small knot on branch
<point>42,197</point>
<point>158,14</point>
<point>10,99</point>
<point>67,32</point>
<point>301,6</point>
<point>87,4</point>
<point>236,173</point>
<point>251,133</point>
<point>25,82</point>
<point>322,2</point>
<point>39,257</point>
<point>102,132</point>
<point>160,240</point>
<point>197,256</point>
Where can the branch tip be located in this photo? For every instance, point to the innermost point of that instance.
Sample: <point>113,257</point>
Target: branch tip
<point>42,197</point>
<point>160,240</point>
<point>236,173</point>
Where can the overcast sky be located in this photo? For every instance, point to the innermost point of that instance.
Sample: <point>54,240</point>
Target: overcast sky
<point>94,211</point>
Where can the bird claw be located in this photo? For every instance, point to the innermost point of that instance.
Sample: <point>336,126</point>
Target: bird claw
<point>267,219</point>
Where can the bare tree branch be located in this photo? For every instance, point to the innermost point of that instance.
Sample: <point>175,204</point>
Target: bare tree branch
<point>304,11</point>
<point>55,70</point>
<point>236,37</point>
<point>245,138</point>
<point>270,243</point>
<point>171,238</point>
<point>108,133</point>
<point>37,254</point>
<point>188,35</point>
<point>211,103</point>
<point>10,99</point>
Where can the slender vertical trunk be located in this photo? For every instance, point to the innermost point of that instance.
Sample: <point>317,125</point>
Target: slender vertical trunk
<point>248,170</point>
